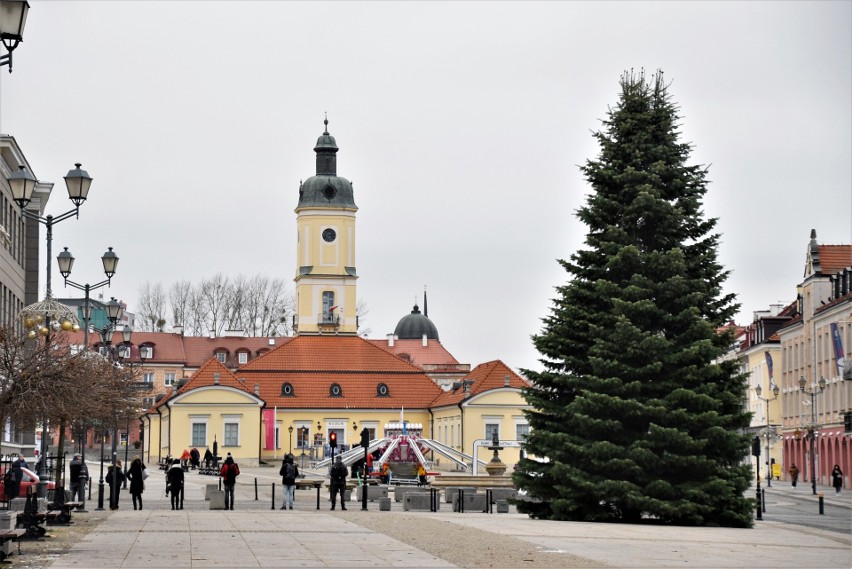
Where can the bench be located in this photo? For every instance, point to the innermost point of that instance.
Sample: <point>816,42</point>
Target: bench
<point>63,512</point>
<point>7,535</point>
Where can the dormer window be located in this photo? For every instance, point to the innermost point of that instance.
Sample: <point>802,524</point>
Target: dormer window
<point>221,356</point>
<point>335,390</point>
<point>382,390</point>
<point>242,358</point>
<point>287,390</point>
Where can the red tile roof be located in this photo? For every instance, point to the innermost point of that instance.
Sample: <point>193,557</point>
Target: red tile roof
<point>199,348</point>
<point>485,377</point>
<point>206,376</point>
<point>833,258</point>
<point>312,364</point>
<point>414,351</point>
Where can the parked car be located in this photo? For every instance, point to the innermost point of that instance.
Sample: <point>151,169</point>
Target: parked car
<point>28,479</point>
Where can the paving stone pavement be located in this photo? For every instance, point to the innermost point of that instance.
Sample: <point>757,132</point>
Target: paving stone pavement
<point>254,535</point>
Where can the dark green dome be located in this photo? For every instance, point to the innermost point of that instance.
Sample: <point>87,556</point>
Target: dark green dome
<point>413,326</point>
<point>326,189</point>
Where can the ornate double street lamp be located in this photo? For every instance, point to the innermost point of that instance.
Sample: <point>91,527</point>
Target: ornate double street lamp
<point>813,428</point>
<point>13,18</point>
<point>41,316</point>
<point>114,313</point>
<point>759,390</point>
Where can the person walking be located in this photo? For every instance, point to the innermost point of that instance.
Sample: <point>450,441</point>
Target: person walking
<point>12,480</point>
<point>208,459</point>
<point>230,471</point>
<point>794,474</point>
<point>174,481</point>
<point>78,476</point>
<point>137,475</point>
<point>115,478</point>
<point>289,472</point>
<point>837,479</point>
<point>338,483</point>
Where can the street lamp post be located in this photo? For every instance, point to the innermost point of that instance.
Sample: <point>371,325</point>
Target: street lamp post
<point>22,184</point>
<point>101,481</point>
<point>290,431</point>
<point>758,390</point>
<point>813,429</point>
<point>13,18</point>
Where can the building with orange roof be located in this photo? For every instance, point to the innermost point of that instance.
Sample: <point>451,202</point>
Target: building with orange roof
<point>816,406</point>
<point>293,395</point>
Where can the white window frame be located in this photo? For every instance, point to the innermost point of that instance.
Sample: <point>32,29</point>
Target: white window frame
<point>221,357</point>
<point>148,377</point>
<point>242,358</point>
<point>198,420</point>
<point>231,420</point>
<point>170,381</point>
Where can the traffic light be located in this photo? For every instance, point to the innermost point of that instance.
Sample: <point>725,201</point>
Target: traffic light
<point>332,439</point>
<point>755,446</point>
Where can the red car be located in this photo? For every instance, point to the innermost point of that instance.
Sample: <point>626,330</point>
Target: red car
<point>28,479</point>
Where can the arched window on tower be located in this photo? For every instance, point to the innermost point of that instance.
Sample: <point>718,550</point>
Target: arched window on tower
<point>328,307</point>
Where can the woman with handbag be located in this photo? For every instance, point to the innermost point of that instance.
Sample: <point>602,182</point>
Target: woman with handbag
<point>137,475</point>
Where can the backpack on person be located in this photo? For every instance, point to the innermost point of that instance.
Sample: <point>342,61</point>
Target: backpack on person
<point>232,473</point>
<point>290,471</point>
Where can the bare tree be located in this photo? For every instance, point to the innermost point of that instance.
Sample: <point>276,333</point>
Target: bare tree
<point>215,291</point>
<point>179,297</point>
<point>196,312</point>
<point>361,311</point>
<point>152,305</point>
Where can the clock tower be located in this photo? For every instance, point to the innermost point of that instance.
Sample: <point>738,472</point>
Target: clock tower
<point>325,257</point>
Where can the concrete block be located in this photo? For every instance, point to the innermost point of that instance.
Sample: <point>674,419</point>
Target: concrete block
<point>503,493</point>
<point>417,501</point>
<point>399,492</point>
<point>384,504</point>
<point>8,520</point>
<point>472,502</point>
<point>18,504</point>
<point>373,493</point>
<point>502,507</point>
<point>210,488</point>
<point>217,499</point>
<point>451,491</point>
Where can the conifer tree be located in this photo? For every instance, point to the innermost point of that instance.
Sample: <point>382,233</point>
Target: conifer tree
<point>635,417</point>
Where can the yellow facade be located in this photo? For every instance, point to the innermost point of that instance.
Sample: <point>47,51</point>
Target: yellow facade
<point>325,272</point>
<point>462,427</point>
<point>766,415</point>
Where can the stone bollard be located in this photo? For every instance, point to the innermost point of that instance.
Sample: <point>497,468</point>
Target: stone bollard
<point>8,520</point>
<point>217,499</point>
<point>502,507</point>
<point>384,504</point>
<point>208,489</point>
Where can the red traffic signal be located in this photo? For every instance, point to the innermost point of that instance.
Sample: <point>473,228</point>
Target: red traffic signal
<point>332,439</point>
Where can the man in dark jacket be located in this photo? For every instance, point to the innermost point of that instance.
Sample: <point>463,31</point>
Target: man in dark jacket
<point>78,476</point>
<point>289,472</point>
<point>230,471</point>
<point>338,483</point>
<point>174,481</point>
<point>115,478</point>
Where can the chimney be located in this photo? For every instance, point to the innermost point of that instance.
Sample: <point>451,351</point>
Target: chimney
<point>216,378</point>
<point>506,381</point>
<point>391,338</point>
<point>178,330</point>
<point>425,340</point>
<point>272,341</point>
<point>257,389</point>
<point>211,334</point>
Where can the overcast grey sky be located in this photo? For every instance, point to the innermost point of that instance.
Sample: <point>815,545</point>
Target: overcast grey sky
<point>460,124</point>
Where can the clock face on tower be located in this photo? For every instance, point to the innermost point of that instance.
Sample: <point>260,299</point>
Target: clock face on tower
<point>329,235</point>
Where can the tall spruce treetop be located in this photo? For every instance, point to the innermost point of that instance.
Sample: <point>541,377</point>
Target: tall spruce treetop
<point>634,416</point>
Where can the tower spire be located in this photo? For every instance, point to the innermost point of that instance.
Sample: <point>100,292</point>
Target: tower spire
<point>425,303</point>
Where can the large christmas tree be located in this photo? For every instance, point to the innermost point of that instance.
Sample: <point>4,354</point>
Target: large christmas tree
<point>634,416</point>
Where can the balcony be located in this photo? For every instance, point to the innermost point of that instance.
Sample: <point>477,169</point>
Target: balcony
<point>326,320</point>
<point>144,385</point>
